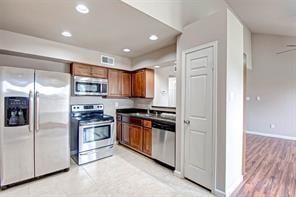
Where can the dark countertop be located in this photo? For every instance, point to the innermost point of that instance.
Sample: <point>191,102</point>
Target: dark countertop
<point>142,114</point>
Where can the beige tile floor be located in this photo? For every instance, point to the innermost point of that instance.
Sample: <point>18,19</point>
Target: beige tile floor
<point>126,174</point>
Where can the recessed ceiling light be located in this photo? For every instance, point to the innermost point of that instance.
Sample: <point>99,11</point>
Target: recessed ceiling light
<point>66,34</point>
<point>156,66</point>
<point>127,50</point>
<point>153,37</point>
<point>82,9</point>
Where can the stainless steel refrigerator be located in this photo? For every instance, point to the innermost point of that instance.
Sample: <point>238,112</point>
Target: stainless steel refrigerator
<point>34,123</point>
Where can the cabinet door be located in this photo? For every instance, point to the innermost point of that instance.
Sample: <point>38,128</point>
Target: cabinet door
<point>149,83</point>
<point>125,133</point>
<point>147,141</point>
<point>81,70</point>
<point>118,131</point>
<point>138,83</point>
<point>126,84</point>
<point>99,72</point>
<point>136,137</point>
<point>114,81</point>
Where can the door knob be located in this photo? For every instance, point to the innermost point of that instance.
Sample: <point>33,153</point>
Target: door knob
<point>187,122</point>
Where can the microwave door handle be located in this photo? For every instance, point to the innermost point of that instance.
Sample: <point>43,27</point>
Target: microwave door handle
<point>31,111</point>
<point>37,110</point>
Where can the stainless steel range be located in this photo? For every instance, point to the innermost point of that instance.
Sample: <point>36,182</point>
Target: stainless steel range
<point>92,135</point>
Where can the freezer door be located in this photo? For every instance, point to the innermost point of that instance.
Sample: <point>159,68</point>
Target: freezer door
<point>52,105</point>
<point>16,125</point>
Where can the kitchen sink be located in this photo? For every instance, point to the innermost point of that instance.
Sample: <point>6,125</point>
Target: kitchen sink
<point>142,115</point>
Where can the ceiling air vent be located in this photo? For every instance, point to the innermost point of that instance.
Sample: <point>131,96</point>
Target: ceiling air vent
<point>107,60</point>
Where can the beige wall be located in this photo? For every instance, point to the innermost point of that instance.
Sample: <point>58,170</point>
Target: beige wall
<point>162,56</point>
<point>273,79</point>
<point>212,28</point>
<point>33,63</point>
<point>248,47</point>
<point>234,103</point>
<point>161,81</point>
<point>23,44</point>
<point>168,12</point>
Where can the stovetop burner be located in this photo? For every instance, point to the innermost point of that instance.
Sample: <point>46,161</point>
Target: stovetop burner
<point>94,118</point>
<point>90,113</point>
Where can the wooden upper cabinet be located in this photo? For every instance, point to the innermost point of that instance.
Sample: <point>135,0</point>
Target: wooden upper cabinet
<point>99,72</point>
<point>80,70</point>
<point>86,70</point>
<point>143,83</point>
<point>119,83</point>
<point>126,84</point>
<point>138,84</point>
<point>114,82</point>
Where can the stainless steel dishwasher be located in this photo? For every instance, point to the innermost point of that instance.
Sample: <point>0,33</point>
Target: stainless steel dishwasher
<point>164,142</point>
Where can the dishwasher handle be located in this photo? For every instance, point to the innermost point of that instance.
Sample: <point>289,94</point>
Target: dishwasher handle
<point>164,126</point>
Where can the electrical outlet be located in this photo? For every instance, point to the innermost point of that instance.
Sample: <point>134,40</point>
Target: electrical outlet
<point>272,126</point>
<point>116,104</point>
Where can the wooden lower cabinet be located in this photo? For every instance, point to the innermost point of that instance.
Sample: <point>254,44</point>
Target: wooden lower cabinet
<point>147,141</point>
<point>118,131</point>
<point>125,136</point>
<point>135,133</point>
<point>136,136</point>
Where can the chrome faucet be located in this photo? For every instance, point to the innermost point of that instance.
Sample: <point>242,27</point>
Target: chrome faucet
<point>148,110</point>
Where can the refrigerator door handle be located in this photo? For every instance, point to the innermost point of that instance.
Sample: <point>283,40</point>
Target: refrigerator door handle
<point>31,111</point>
<point>37,110</point>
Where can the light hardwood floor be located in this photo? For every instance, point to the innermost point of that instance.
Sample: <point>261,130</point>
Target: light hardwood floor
<point>270,168</point>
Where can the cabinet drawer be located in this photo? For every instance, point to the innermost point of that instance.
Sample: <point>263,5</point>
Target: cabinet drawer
<point>99,72</point>
<point>118,117</point>
<point>132,120</point>
<point>147,123</point>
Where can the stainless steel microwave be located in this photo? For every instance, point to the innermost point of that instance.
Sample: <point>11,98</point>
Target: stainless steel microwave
<point>87,86</point>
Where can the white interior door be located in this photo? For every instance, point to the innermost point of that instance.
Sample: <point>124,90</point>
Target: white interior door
<point>198,116</point>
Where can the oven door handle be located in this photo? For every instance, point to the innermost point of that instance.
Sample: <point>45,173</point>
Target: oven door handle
<point>97,123</point>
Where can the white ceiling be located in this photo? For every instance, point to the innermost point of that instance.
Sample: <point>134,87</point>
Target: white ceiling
<point>178,13</point>
<point>276,17</point>
<point>110,26</point>
<point>194,10</point>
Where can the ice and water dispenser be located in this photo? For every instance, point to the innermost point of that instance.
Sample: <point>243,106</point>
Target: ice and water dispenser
<point>16,111</point>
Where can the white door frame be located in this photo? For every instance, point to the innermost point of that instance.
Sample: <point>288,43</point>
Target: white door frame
<point>214,144</point>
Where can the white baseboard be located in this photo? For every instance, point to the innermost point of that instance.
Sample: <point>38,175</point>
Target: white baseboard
<point>178,174</point>
<point>271,135</point>
<point>233,187</point>
<point>219,193</point>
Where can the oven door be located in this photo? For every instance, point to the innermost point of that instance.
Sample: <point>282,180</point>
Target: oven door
<point>94,135</point>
